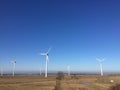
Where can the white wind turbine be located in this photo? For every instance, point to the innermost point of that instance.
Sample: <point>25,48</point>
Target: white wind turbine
<point>13,62</point>
<point>1,71</point>
<point>40,71</point>
<point>68,69</point>
<point>47,60</point>
<point>101,66</point>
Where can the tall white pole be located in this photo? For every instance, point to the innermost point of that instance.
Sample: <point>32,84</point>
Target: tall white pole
<point>40,70</point>
<point>46,66</point>
<point>13,68</point>
<point>101,68</point>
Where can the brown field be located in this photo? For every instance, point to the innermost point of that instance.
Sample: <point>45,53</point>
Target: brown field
<point>81,82</point>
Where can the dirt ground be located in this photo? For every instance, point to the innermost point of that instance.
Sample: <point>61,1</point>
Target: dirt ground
<point>73,82</point>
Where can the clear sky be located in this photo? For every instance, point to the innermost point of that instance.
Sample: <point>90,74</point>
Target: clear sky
<point>78,31</point>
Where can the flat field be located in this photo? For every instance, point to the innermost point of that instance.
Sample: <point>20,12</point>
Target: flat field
<point>73,82</point>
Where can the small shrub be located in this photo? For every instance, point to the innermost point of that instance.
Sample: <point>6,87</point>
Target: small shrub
<point>116,87</point>
<point>74,76</point>
<point>60,76</point>
<point>58,85</point>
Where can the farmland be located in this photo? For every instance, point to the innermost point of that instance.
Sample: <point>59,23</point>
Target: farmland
<point>73,82</point>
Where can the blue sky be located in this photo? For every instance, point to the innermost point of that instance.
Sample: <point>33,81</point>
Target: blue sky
<point>77,30</point>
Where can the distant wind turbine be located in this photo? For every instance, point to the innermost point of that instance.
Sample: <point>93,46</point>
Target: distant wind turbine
<point>101,66</point>
<point>68,68</point>
<point>1,71</point>
<point>40,71</point>
<point>47,60</point>
<point>13,62</point>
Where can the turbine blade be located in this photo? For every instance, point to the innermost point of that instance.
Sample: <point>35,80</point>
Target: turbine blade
<point>48,50</point>
<point>100,60</point>
<point>42,53</point>
<point>13,62</point>
<point>103,59</point>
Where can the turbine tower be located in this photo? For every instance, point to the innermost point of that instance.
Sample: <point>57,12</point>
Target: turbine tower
<point>47,60</point>
<point>101,66</point>
<point>13,62</point>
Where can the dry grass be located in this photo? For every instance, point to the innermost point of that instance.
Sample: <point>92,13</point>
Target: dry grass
<point>27,83</point>
<point>68,83</point>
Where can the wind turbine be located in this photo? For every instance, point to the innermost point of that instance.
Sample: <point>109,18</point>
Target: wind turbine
<point>68,68</point>
<point>40,71</point>
<point>13,62</point>
<point>47,60</point>
<point>101,66</point>
<point>1,71</point>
